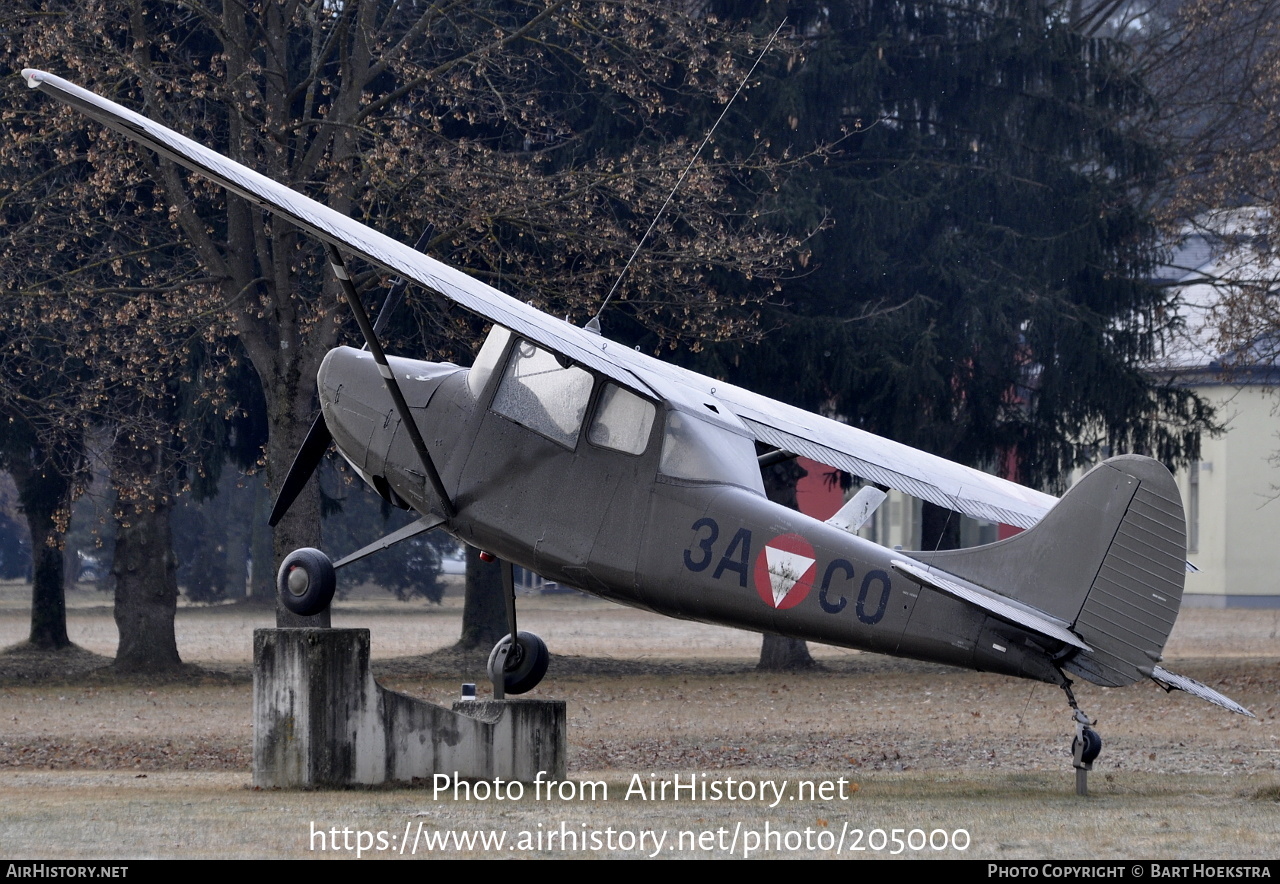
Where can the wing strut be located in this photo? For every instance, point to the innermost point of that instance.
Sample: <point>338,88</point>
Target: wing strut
<point>402,407</point>
<point>426,523</point>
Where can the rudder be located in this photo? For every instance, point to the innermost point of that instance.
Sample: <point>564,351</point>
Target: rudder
<point>1135,597</point>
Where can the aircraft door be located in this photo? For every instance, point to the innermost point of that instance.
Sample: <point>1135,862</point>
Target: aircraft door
<point>619,446</point>
<point>546,473</point>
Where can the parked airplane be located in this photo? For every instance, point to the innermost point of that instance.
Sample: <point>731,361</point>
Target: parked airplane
<point>638,481</point>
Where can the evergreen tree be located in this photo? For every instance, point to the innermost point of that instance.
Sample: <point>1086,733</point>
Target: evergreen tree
<point>980,288</point>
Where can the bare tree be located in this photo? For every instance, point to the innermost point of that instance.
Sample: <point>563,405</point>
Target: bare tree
<point>538,138</point>
<point>1214,66</point>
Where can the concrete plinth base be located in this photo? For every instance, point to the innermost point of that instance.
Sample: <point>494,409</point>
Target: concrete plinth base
<point>320,719</point>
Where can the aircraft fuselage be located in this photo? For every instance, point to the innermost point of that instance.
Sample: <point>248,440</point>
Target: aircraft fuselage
<point>617,525</point>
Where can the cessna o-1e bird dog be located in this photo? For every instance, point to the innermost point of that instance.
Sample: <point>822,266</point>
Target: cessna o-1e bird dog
<point>638,481</point>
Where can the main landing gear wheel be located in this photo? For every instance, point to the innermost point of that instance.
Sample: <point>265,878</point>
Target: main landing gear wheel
<point>522,665</point>
<point>306,582</point>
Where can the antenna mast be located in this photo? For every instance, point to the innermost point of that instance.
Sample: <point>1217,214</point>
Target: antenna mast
<point>594,322</point>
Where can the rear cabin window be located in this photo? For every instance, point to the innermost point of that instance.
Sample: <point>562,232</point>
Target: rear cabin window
<point>623,421</point>
<point>701,451</point>
<point>540,393</point>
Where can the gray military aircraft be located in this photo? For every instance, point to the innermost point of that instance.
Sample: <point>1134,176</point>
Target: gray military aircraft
<point>595,465</point>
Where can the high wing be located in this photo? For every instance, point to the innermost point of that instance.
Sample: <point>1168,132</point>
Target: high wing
<point>872,458</point>
<point>335,228</point>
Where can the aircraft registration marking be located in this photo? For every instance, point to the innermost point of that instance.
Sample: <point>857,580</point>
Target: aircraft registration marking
<point>875,580</point>
<point>735,557</point>
<point>785,570</point>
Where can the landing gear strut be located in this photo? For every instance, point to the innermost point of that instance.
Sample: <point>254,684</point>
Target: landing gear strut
<point>520,659</point>
<point>1086,745</point>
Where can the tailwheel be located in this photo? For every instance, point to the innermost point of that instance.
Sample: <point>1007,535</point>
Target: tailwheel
<point>519,665</point>
<point>306,582</point>
<point>1086,745</point>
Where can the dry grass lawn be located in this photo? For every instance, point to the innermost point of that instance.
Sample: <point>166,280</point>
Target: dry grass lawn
<point>91,766</point>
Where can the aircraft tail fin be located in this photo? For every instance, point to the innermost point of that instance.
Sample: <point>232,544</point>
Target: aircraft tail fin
<point>1108,561</point>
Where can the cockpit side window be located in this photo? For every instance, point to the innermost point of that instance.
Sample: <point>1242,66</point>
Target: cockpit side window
<point>487,360</point>
<point>538,392</point>
<point>623,420</point>
<point>701,451</point>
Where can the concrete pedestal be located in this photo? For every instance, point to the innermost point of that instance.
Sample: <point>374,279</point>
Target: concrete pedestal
<point>320,719</point>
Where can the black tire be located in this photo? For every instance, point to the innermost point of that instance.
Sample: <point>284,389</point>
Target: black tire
<point>306,582</point>
<point>1092,746</point>
<point>526,664</point>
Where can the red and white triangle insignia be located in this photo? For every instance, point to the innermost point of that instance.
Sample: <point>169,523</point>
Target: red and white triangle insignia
<point>785,570</point>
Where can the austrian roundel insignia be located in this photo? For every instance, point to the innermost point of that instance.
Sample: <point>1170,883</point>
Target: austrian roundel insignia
<point>784,571</point>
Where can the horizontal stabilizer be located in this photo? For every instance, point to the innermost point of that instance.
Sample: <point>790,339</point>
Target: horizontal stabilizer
<point>1108,562</point>
<point>1172,681</point>
<point>854,514</point>
<point>991,603</point>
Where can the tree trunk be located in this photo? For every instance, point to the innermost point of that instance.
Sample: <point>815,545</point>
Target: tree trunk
<point>43,492</point>
<point>145,569</point>
<point>939,527</point>
<point>781,654</point>
<point>484,611</point>
<point>48,592</point>
<point>778,653</point>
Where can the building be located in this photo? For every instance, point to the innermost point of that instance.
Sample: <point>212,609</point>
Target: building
<point>1232,495</point>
